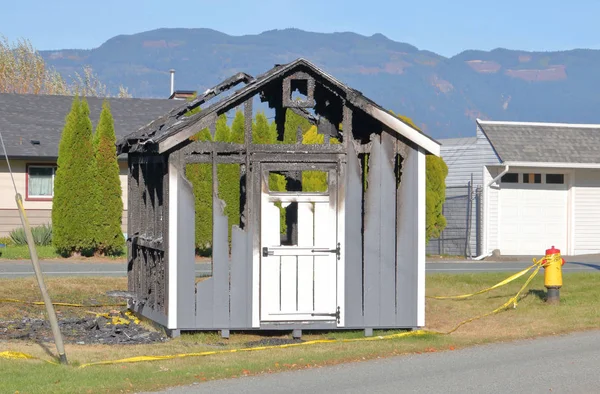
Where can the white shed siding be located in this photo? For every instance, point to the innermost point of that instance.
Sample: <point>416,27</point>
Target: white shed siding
<point>586,215</point>
<point>490,220</point>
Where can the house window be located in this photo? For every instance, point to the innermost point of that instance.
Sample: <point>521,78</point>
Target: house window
<point>40,181</point>
<point>511,177</point>
<point>555,179</point>
<point>532,178</point>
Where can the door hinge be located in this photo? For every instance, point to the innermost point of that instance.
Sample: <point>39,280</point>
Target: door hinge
<point>337,251</point>
<point>336,314</point>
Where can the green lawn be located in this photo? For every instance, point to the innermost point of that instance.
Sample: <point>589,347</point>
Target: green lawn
<point>578,310</point>
<point>14,252</point>
<point>21,252</point>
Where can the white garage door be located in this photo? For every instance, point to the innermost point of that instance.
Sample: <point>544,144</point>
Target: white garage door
<point>532,218</point>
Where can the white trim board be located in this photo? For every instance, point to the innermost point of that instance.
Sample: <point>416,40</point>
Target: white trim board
<point>421,238</point>
<point>533,164</point>
<point>571,125</point>
<point>173,205</point>
<point>405,130</point>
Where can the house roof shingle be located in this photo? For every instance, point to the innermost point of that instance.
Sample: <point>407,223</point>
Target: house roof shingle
<point>26,117</point>
<point>543,142</point>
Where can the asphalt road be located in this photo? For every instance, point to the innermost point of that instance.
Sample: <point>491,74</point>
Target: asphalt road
<point>564,364</point>
<point>14,269</point>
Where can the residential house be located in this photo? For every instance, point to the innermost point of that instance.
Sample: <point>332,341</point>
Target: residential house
<point>540,185</point>
<point>31,126</point>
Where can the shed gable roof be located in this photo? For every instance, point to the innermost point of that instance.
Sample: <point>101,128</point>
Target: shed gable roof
<point>174,122</point>
<point>543,142</point>
<point>26,117</point>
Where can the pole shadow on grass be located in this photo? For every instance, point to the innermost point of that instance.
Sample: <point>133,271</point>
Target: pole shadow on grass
<point>594,266</point>
<point>46,350</point>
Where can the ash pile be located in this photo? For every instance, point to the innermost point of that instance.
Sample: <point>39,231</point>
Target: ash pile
<point>112,328</point>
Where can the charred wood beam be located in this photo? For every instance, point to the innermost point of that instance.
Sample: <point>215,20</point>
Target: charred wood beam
<point>209,147</point>
<point>362,148</point>
<point>305,114</point>
<point>297,148</point>
<point>148,243</point>
<point>220,159</point>
<point>220,88</point>
<point>347,115</point>
<point>186,129</point>
<point>280,113</point>
<point>264,157</point>
<point>248,117</point>
<point>171,119</point>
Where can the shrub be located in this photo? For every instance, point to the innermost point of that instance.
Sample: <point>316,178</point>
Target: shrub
<point>6,241</point>
<point>42,235</point>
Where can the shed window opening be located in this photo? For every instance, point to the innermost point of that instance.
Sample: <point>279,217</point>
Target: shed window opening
<point>299,90</point>
<point>40,181</point>
<point>532,178</point>
<point>307,181</point>
<point>511,177</point>
<point>555,179</point>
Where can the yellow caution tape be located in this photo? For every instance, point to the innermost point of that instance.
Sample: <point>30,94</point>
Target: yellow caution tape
<point>497,285</point>
<point>22,356</point>
<point>253,349</point>
<point>12,300</point>
<point>512,301</point>
<point>507,304</point>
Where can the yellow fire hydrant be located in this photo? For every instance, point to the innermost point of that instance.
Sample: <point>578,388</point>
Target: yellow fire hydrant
<point>552,264</point>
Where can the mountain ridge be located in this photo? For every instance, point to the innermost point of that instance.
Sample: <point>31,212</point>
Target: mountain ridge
<point>443,95</point>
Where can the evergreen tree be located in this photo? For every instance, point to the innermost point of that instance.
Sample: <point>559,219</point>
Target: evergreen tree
<point>292,123</point>
<point>262,131</point>
<point>435,196</point>
<point>200,176</point>
<point>238,128</point>
<point>436,171</point>
<point>109,237</point>
<point>74,185</point>
<point>313,181</point>
<point>228,176</point>
<point>222,130</point>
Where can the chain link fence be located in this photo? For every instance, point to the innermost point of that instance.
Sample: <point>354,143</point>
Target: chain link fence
<point>462,235</point>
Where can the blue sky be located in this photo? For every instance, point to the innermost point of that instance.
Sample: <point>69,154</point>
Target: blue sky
<point>443,26</point>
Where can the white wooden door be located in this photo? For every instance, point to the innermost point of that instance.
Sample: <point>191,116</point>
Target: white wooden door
<point>299,279</point>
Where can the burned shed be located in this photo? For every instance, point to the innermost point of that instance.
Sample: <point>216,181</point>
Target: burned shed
<point>353,251</point>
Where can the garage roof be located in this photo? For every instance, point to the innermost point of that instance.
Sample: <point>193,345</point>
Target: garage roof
<point>543,142</point>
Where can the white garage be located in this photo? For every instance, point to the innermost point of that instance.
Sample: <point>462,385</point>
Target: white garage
<point>541,187</point>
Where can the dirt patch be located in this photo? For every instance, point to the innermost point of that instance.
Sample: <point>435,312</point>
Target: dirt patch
<point>115,328</point>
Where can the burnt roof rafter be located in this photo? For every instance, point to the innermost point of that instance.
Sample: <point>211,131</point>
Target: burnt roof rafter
<point>150,137</point>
